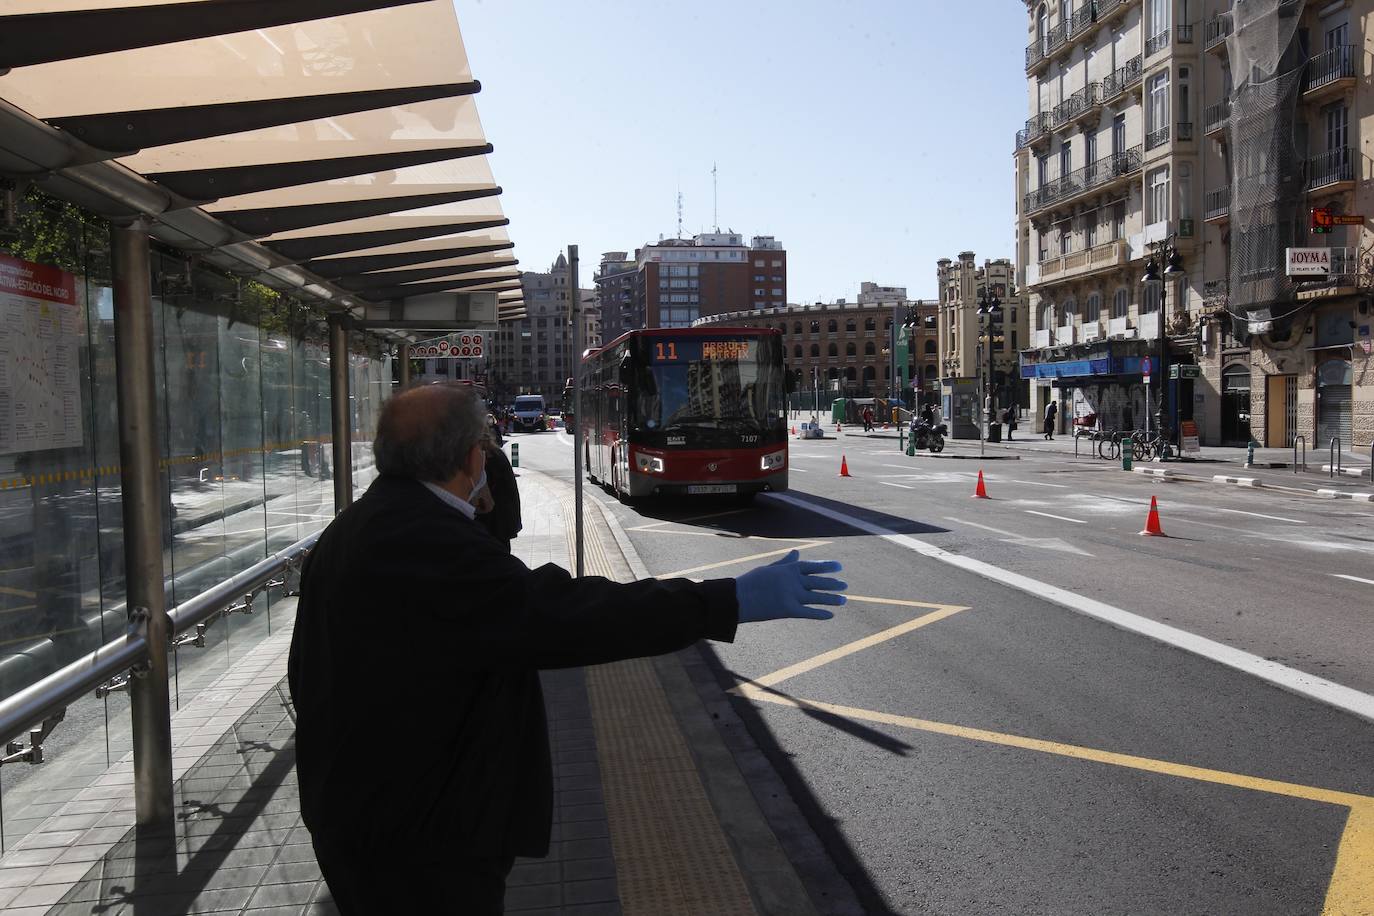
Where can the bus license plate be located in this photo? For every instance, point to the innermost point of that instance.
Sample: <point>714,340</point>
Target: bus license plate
<point>712,488</point>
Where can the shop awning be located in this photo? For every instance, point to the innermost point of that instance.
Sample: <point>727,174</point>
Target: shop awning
<point>334,145</point>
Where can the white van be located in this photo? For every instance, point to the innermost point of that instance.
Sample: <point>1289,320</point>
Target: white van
<point>529,413</point>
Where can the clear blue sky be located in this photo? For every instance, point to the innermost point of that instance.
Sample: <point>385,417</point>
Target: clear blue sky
<point>871,137</point>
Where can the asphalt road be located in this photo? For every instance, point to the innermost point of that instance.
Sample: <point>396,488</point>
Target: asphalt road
<point>970,736</point>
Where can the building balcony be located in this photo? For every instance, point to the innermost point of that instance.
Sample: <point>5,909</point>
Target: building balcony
<point>1156,138</point>
<point>1331,73</point>
<point>1216,205</point>
<point>1216,118</point>
<point>1123,78</point>
<point>1040,339</point>
<point>1120,327</point>
<point>1065,335</point>
<point>1035,133</point>
<point>1090,331</point>
<point>1105,9</point>
<point>1104,173</point>
<point>1041,50</point>
<point>1215,33</point>
<point>1156,43</point>
<point>1086,102</point>
<point>1346,277</point>
<point>1333,171</point>
<point>1077,264</point>
<point>1081,20</point>
<point>1183,34</point>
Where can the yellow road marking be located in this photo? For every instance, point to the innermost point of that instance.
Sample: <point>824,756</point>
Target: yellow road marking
<point>940,613</point>
<point>801,545</point>
<point>6,590</point>
<point>682,521</point>
<point>1351,891</point>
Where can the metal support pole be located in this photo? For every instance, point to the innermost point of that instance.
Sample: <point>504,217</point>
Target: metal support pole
<point>141,496</point>
<point>405,365</point>
<point>578,333</point>
<point>340,414</point>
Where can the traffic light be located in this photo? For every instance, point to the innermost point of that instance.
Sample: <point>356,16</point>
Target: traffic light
<point>1321,221</point>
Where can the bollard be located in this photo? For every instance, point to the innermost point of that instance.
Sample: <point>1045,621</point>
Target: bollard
<point>911,446</point>
<point>901,438</point>
<point>1250,454</point>
<point>515,454</point>
<point>1126,452</point>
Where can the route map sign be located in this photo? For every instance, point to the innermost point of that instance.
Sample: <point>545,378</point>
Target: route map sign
<point>464,345</point>
<point>40,358</point>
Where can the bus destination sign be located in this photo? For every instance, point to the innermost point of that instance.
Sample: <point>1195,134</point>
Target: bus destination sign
<point>691,349</point>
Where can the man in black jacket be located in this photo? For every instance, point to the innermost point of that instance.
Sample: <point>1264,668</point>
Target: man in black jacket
<point>421,743</point>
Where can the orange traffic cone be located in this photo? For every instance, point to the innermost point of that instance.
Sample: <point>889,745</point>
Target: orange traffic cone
<point>794,430</point>
<point>981,491</point>
<point>844,467</point>
<point>1152,528</point>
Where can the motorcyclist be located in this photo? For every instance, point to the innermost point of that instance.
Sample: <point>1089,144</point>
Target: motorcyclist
<point>928,415</point>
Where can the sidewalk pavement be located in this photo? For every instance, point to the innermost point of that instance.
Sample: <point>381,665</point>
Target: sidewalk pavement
<point>646,821</point>
<point>1273,467</point>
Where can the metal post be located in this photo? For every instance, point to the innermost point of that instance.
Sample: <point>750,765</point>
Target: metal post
<point>340,414</point>
<point>141,497</point>
<point>405,365</point>
<point>577,335</point>
<point>1162,412</point>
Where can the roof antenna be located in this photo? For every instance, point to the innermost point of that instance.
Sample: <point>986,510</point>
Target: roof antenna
<point>715,209</point>
<point>679,212</point>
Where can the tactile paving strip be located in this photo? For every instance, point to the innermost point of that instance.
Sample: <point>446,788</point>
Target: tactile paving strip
<point>672,858</point>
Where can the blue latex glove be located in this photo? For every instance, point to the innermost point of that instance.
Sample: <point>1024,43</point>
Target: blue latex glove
<point>785,588</point>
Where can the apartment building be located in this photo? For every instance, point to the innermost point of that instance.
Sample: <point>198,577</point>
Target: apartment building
<point>617,279</point>
<point>1217,129</point>
<point>1286,309</point>
<point>854,348</point>
<point>534,354</point>
<point>681,280</point>
<point>966,378</point>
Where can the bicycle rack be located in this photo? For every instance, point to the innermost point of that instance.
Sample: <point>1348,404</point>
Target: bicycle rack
<point>1334,457</point>
<point>1296,440</point>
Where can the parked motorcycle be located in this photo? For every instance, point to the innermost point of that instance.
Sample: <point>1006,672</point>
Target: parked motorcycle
<point>926,436</point>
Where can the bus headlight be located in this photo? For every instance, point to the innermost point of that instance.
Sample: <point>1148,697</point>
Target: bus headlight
<point>648,464</point>
<point>773,461</point>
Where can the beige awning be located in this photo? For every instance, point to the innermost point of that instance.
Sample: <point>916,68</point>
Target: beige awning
<point>336,142</point>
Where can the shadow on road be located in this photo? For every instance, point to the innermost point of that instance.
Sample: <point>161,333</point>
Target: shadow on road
<point>769,518</point>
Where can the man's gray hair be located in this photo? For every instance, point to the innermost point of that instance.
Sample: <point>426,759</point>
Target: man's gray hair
<point>426,433</point>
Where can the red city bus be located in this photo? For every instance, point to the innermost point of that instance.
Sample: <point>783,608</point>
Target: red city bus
<point>686,410</point>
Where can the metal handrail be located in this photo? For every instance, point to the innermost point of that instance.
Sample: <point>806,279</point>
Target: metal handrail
<point>49,696</point>
<point>1296,440</point>
<point>1334,457</point>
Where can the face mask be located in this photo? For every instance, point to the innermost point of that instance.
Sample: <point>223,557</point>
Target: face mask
<point>477,487</point>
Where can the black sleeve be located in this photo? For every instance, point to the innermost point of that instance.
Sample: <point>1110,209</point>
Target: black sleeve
<point>503,614</point>
<point>504,518</point>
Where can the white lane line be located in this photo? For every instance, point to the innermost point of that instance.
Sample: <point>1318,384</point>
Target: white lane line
<point>1062,518</point>
<point>798,470</point>
<point>960,521</point>
<point>1290,679</point>
<point>1036,483</point>
<point>901,486</point>
<point>1353,578</point>
<point>1277,518</point>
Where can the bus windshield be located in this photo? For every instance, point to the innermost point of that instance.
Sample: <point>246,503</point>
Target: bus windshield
<point>708,383</point>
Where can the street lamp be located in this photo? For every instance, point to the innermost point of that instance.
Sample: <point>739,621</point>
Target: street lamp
<point>989,314</point>
<point>1163,252</point>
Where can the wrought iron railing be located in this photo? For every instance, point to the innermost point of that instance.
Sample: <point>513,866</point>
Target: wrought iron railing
<point>1331,167</point>
<point>1184,34</point>
<point>1081,19</point>
<point>1122,77</point>
<point>1217,30</point>
<point>1035,128</point>
<point>1090,96</point>
<point>1329,66</point>
<point>1216,203</point>
<point>1216,116</point>
<point>1156,43</point>
<point>1042,48</point>
<point>1104,8</point>
<point>1157,137</point>
<point>1094,175</point>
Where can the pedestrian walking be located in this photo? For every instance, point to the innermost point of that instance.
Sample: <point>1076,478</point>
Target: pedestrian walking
<point>1051,412</point>
<point>1009,417</point>
<point>498,509</point>
<point>867,415</point>
<point>404,582</point>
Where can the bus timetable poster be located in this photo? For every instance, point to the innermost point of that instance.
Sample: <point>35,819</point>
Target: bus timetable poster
<point>40,358</point>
